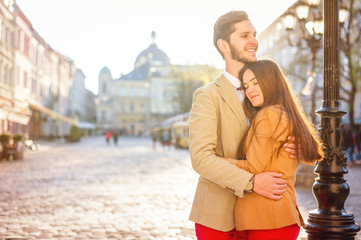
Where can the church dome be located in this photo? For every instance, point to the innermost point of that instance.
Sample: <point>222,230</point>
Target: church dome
<point>153,55</point>
<point>105,72</point>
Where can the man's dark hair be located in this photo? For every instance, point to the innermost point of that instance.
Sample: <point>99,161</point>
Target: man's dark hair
<point>223,27</point>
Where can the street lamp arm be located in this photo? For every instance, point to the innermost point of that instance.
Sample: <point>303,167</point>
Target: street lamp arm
<point>344,99</point>
<point>345,91</point>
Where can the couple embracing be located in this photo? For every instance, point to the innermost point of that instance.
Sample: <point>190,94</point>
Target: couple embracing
<point>244,129</point>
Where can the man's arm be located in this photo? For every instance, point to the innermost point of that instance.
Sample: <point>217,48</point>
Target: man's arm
<point>267,184</point>
<point>203,139</point>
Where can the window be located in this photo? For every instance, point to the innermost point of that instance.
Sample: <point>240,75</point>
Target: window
<point>7,37</point>
<point>1,29</point>
<point>131,106</point>
<point>33,85</point>
<point>122,107</point>
<point>25,79</point>
<point>26,46</point>
<point>142,91</point>
<point>104,88</point>
<point>17,76</point>
<point>132,91</point>
<point>122,91</point>
<point>9,4</point>
<point>103,115</point>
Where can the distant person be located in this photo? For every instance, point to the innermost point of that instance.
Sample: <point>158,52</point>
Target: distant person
<point>166,138</point>
<point>274,113</point>
<point>350,145</point>
<point>115,138</point>
<point>358,144</point>
<point>108,136</point>
<point>154,139</point>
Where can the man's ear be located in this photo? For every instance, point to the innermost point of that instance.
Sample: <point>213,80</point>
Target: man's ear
<point>223,45</point>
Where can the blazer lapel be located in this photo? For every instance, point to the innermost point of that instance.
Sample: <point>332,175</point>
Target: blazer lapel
<point>227,92</point>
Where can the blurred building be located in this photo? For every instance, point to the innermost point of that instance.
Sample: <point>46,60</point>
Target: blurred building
<point>295,61</point>
<point>82,103</point>
<point>37,83</point>
<point>14,110</point>
<point>141,99</point>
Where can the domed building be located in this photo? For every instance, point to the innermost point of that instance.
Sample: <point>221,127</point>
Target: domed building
<point>135,102</point>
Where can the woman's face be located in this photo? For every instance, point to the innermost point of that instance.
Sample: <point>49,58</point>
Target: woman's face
<point>252,88</point>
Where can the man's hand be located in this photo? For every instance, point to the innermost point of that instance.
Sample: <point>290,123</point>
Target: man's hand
<point>269,185</point>
<point>290,147</point>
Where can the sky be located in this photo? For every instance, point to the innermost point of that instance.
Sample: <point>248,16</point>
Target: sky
<point>111,33</point>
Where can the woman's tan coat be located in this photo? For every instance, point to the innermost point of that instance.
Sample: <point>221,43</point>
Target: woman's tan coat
<point>216,123</point>
<point>264,140</point>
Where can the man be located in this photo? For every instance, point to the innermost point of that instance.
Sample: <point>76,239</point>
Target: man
<point>217,123</point>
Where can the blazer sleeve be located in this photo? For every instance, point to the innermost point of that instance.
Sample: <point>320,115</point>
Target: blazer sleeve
<point>269,134</point>
<point>203,127</point>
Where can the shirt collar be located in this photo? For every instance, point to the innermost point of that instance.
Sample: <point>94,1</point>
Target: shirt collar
<point>232,79</point>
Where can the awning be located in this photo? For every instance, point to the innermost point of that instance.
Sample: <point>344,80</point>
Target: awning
<point>180,124</point>
<point>86,125</point>
<point>18,118</point>
<point>53,114</point>
<point>14,116</point>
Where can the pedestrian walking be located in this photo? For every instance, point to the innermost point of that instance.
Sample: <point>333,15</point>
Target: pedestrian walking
<point>154,139</point>
<point>115,138</point>
<point>108,136</point>
<point>166,138</point>
<point>358,145</point>
<point>350,145</point>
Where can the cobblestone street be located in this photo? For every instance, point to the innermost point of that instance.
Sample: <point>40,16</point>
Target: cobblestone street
<point>91,190</point>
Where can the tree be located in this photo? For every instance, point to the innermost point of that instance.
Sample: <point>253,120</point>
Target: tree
<point>350,74</point>
<point>189,78</point>
<point>305,80</point>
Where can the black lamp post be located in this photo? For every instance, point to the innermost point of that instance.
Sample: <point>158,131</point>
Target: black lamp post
<point>330,220</point>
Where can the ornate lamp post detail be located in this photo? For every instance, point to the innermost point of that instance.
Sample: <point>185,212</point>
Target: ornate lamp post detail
<point>330,220</point>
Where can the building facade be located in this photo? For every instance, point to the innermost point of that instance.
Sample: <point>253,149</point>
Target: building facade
<point>14,111</point>
<point>138,101</point>
<point>36,82</point>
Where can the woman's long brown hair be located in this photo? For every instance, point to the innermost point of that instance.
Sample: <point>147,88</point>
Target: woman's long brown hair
<point>277,91</point>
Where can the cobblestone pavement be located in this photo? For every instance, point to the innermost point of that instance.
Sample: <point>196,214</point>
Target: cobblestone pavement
<point>90,190</point>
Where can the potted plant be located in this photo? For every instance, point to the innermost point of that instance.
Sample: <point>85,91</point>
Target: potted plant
<point>18,137</point>
<point>4,141</point>
<point>19,146</point>
<point>75,134</point>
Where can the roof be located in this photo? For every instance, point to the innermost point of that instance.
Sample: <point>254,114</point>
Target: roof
<point>152,56</point>
<point>138,73</point>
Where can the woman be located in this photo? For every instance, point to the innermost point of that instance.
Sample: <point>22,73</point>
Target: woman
<point>274,114</point>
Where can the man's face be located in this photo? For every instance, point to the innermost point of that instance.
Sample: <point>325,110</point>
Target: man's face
<point>243,42</point>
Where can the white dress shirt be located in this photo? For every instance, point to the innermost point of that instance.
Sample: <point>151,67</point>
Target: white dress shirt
<point>236,84</point>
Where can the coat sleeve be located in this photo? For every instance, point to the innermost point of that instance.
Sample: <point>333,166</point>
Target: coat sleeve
<point>269,135</point>
<point>203,128</point>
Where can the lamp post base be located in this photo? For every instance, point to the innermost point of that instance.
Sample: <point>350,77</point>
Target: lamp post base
<point>323,226</point>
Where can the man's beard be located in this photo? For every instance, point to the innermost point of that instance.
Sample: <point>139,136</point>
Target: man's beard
<point>236,56</point>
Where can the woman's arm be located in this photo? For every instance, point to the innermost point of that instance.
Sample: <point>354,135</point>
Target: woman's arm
<point>267,135</point>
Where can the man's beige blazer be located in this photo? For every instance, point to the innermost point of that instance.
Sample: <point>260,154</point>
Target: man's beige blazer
<point>216,123</point>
